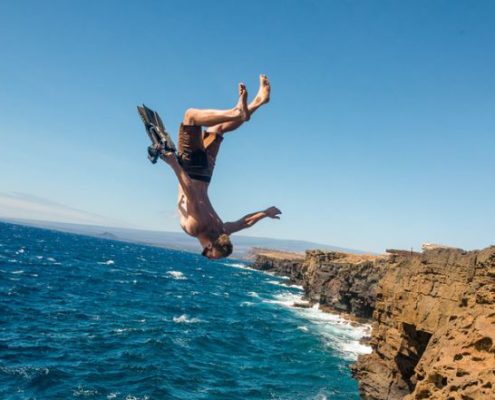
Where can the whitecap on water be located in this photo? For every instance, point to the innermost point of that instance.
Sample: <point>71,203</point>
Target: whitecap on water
<point>176,275</point>
<point>81,392</point>
<point>108,262</point>
<point>338,333</point>
<point>17,272</point>
<point>238,265</point>
<point>281,283</point>
<point>184,319</point>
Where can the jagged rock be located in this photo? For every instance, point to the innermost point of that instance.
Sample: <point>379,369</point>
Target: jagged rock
<point>343,282</point>
<point>435,329</point>
<point>281,264</point>
<point>337,281</point>
<point>433,315</point>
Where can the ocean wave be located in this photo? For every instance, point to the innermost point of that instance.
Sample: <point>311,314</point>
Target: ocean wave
<point>108,262</point>
<point>184,319</point>
<point>338,333</point>
<point>281,283</point>
<point>176,275</point>
<point>81,392</point>
<point>238,265</point>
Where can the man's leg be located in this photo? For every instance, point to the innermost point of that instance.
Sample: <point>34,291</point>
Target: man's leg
<point>261,98</point>
<point>213,117</point>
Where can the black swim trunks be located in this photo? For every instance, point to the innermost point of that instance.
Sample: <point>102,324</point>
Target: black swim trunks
<point>198,151</point>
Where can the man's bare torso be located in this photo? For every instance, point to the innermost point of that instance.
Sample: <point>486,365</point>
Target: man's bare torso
<point>197,214</point>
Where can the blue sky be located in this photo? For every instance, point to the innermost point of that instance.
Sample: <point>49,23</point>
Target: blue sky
<point>380,132</point>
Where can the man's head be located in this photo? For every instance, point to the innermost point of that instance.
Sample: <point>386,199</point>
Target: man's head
<point>219,248</point>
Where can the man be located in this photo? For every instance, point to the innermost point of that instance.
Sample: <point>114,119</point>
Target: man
<point>194,166</point>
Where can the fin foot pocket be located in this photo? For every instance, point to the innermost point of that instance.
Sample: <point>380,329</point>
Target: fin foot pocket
<point>160,139</point>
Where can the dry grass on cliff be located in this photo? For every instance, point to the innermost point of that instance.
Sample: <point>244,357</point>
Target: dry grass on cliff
<point>276,254</point>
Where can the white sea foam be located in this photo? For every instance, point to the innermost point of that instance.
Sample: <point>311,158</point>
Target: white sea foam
<point>39,257</point>
<point>81,392</point>
<point>253,294</point>
<point>338,333</point>
<point>20,251</point>
<point>17,272</point>
<point>108,262</point>
<point>184,319</point>
<point>51,259</point>
<point>176,275</point>
<point>247,304</point>
<point>281,283</point>
<point>238,265</point>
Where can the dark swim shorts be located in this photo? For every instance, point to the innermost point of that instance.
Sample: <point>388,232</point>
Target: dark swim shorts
<point>198,151</point>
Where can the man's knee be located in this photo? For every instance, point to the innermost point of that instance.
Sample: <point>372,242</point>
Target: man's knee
<point>189,117</point>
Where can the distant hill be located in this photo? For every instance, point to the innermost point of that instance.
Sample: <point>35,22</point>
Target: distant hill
<point>243,245</point>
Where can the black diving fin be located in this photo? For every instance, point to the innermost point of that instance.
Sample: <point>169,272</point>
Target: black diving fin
<point>160,139</point>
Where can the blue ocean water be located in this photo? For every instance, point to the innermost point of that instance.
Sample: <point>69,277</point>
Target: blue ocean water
<point>89,318</point>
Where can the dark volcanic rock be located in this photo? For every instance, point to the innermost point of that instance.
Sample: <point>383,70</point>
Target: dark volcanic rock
<point>338,281</point>
<point>287,265</point>
<point>343,282</point>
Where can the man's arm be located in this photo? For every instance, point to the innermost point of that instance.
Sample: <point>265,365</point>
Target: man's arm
<point>249,220</point>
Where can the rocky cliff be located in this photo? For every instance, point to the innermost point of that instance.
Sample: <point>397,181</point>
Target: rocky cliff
<point>345,283</point>
<point>342,282</point>
<point>282,264</point>
<point>434,329</point>
<point>433,317</point>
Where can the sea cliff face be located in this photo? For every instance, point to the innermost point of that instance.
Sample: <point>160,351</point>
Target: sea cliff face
<point>434,329</point>
<point>339,282</point>
<point>433,317</point>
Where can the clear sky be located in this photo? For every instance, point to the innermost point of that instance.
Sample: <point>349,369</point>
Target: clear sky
<point>380,133</point>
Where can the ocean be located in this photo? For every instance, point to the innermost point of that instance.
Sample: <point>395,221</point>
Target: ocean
<point>90,318</point>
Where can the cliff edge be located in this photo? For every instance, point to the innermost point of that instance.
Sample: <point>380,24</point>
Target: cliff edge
<point>433,316</point>
<point>434,329</point>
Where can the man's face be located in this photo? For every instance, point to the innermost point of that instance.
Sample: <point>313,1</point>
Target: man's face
<point>212,253</point>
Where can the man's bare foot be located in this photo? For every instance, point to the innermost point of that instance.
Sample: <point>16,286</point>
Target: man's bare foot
<point>263,95</point>
<point>242,104</point>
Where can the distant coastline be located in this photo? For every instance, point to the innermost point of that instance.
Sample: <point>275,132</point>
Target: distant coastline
<point>243,245</point>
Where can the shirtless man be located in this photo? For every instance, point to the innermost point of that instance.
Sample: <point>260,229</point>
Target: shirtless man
<point>194,166</point>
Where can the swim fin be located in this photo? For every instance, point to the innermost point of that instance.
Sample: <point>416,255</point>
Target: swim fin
<point>161,140</point>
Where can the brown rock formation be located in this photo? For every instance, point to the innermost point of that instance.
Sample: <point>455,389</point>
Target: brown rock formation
<point>345,283</point>
<point>434,330</point>
<point>281,264</point>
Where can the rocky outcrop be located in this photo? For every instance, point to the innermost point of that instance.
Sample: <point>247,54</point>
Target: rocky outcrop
<point>345,283</point>
<point>341,282</point>
<point>433,317</point>
<point>434,330</point>
<point>281,264</point>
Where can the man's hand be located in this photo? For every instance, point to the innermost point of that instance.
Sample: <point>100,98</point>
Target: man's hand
<point>273,212</point>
